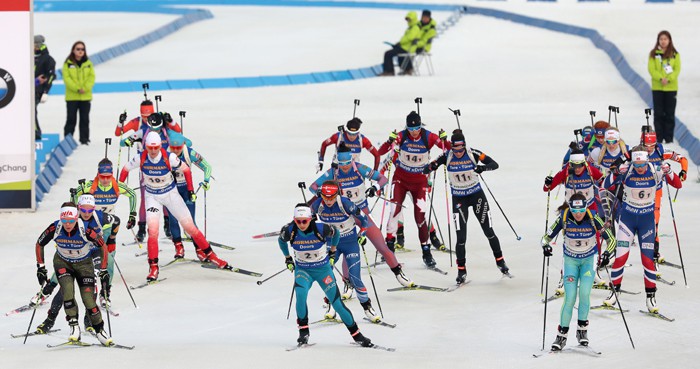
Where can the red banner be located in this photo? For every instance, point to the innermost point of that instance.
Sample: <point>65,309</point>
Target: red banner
<point>14,5</point>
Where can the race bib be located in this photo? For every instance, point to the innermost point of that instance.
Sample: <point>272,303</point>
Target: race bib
<point>639,197</point>
<point>414,160</point>
<point>355,194</point>
<point>311,256</point>
<point>668,68</point>
<point>463,180</point>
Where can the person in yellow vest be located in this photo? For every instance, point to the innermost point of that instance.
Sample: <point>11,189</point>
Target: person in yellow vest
<point>79,78</point>
<point>664,67</point>
<point>407,44</point>
<point>428,32</point>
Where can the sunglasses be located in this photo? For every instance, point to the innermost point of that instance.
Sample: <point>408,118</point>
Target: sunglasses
<point>153,148</point>
<point>352,132</point>
<point>301,221</point>
<point>87,211</point>
<point>577,210</point>
<point>639,164</point>
<point>650,145</point>
<point>79,49</point>
<point>413,129</point>
<point>177,147</point>
<point>345,162</point>
<point>67,221</point>
<point>611,142</point>
<point>105,176</point>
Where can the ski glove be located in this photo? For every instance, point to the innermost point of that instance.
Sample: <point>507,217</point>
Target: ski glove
<point>122,117</point>
<point>362,237</point>
<point>205,185</point>
<point>319,166</point>
<point>132,220</point>
<point>392,136</point>
<point>547,250</point>
<point>290,263</point>
<point>372,191</point>
<point>604,259</point>
<point>44,98</point>
<point>443,135</point>
<point>167,118</point>
<point>548,180</point>
<point>331,257</point>
<point>193,196</point>
<point>683,174</point>
<point>666,168</point>
<point>41,274</point>
<point>479,168</point>
<point>129,141</point>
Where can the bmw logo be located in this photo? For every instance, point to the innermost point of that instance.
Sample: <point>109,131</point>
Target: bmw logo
<point>7,88</point>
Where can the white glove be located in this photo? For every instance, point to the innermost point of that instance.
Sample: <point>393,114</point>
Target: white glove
<point>623,168</point>
<point>44,97</point>
<point>666,168</point>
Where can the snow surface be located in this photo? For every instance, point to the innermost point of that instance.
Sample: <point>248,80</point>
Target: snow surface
<point>521,90</point>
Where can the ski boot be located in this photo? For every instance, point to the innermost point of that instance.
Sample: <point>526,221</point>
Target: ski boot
<point>45,326</point>
<point>501,263</point>
<point>200,255</point>
<point>152,270</point>
<point>221,264</point>
<point>348,290</point>
<point>358,337</point>
<point>74,328</point>
<point>461,274</point>
<point>166,226</point>
<point>88,325</point>
<point>560,341</point>
<point>651,302</point>
<point>330,312</point>
<point>179,250</point>
<point>428,259</point>
<point>582,332</point>
<point>597,280</point>
<point>303,325</point>
<point>401,277</point>
<point>612,299</point>
<point>391,244</point>
<point>141,234</point>
<point>400,239</point>
<point>369,311</point>
<point>436,242</point>
<point>102,336</point>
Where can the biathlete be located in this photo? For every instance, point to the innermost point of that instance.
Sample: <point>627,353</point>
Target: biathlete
<point>353,139</point>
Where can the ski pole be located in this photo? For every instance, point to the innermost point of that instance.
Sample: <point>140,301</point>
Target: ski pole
<point>447,209</point>
<point>675,196</point>
<point>270,277</point>
<point>302,187</point>
<point>592,114</point>
<point>109,322</point>
<point>158,98</point>
<point>136,238</point>
<point>457,114</point>
<point>546,227</point>
<point>381,220</point>
<point>182,124</point>
<point>612,286</point>
<point>205,213</point>
<point>371,278</point>
<point>33,313</point>
<point>675,228</point>
<point>499,207</point>
<point>289,310</point>
<point>356,103</point>
<point>544,324</point>
<point>145,87</point>
<point>125,285</point>
<point>121,135</point>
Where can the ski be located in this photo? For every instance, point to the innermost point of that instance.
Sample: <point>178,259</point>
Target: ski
<point>30,334</point>
<point>327,320</point>
<point>402,249</point>
<point>606,287</point>
<point>659,279</point>
<point>180,261</point>
<point>380,322</point>
<point>265,235</point>
<point>376,347</point>
<point>669,264</point>
<point>507,274</point>
<point>300,345</point>
<point>553,297</point>
<point>657,315</point>
<point>148,283</point>
<point>145,253</point>
<point>114,345</point>
<point>70,343</point>
<point>459,285</point>
<point>606,307</point>
<point>24,308</point>
<point>233,269</point>
<point>221,245</point>
<point>578,349</point>
<point>436,269</point>
<point>419,287</point>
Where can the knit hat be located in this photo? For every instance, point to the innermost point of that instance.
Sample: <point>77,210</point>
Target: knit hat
<point>413,120</point>
<point>39,39</point>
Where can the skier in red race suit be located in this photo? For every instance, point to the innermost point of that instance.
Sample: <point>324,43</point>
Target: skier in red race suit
<point>413,146</point>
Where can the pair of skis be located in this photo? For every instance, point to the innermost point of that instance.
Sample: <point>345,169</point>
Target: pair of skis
<point>372,346</point>
<point>586,350</point>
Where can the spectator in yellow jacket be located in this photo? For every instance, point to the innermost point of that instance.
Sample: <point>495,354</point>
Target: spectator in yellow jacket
<point>664,67</point>
<point>428,32</point>
<point>407,44</point>
<point>79,78</point>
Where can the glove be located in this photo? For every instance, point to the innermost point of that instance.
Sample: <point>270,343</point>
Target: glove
<point>623,168</point>
<point>193,196</point>
<point>683,174</point>
<point>666,168</point>
<point>547,250</point>
<point>362,237</point>
<point>372,191</point>
<point>41,274</point>
<point>290,263</point>
<point>205,185</point>
<point>122,117</point>
<point>443,135</point>
<point>319,166</point>
<point>132,220</point>
<point>393,136</point>
<point>44,97</point>
<point>167,118</point>
<point>331,257</point>
<point>479,168</point>
<point>427,169</point>
<point>604,259</point>
<point>104,281</point>
<point>548,181</point>
<point>129,141</point>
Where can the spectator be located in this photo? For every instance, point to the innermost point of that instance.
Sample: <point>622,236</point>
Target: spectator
<point>44,74</point>
<point>664,68</point>
<point>79,77</point>
<point>407,44</point>
<point>428,32</point>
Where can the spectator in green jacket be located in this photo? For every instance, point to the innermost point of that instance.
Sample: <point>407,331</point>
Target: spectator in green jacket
<point>664,67</point>
<point>407,44</point>
<point>79,78</point>
<point>428,32</point>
